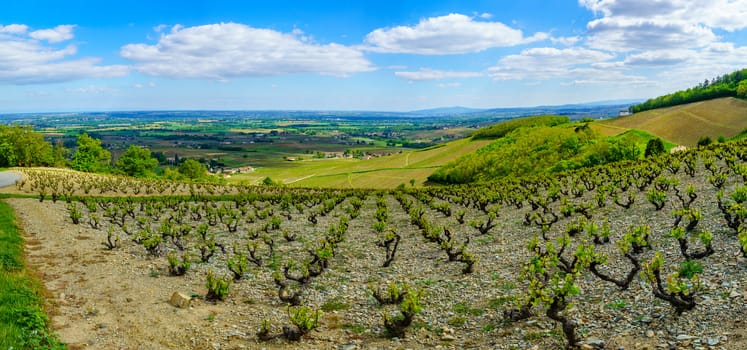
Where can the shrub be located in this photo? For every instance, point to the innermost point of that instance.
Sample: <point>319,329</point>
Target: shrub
<point>177,268</point>
<point>409,307</point>
<point>654,147</point>
<point>704,141</point>
<point>217,287</point>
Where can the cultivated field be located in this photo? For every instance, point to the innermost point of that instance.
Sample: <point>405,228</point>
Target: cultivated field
<point>685,124</point>
<point>641,255</point>
<point>381,172</point>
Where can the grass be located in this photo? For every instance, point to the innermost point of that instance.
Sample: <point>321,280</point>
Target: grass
<point>463,309</point>
<point>355,328</point>
<point>334,305</point>
<point>685,124</point>
<point>23,322</point>
<point>383,172</point>
<point>641,138</point>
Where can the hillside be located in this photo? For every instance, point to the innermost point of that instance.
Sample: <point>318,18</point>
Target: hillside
<point>538,145</point>
<point>381,172</point>
<point>733,84</point>
<point>684,124</point>
<point>472,257</point>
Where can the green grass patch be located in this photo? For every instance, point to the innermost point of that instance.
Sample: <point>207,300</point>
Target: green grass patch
<point>335,305</point>
<point>499,302</point>
<point>462,308</point>
<point>23,322</point>
<point>641,138</point>
<point>355,328</point>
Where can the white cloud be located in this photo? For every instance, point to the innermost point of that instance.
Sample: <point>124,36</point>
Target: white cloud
<point>54,35</point>
<point>729,15</point>
<point>230,50</point>
<point>14,28</point>
<point>567,41</point>
<point>659,58</point>
<point>432,74</point>
<point>450,34</point>
<point>574,65</point>
<point>628,34</point>
<point>26,59</point>
<point>716,59</point>
<point>629,25</point>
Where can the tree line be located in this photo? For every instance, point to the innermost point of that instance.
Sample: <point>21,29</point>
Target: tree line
<point>728,85</point>
<point>21,146</point>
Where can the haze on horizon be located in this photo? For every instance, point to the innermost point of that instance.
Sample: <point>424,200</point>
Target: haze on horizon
<point>340,55</point>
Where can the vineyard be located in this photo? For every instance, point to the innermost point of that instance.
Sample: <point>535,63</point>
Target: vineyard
<point>638,254</point>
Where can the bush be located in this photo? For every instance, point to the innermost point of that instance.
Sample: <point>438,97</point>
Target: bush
<point>704,141</point>
<point>654,147</point>
<point>217,287</point>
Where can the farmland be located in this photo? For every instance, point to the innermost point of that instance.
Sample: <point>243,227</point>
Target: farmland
<point>685,124</point>
<point>465,255</point>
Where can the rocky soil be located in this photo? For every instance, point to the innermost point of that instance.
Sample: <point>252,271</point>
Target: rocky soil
<point>119,299</point>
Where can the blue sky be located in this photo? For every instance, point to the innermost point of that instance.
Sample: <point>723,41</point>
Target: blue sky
<point>358,55</point>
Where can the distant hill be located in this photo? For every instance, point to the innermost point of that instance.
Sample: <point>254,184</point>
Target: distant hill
<point>456,110</point>
<point>685,124</point>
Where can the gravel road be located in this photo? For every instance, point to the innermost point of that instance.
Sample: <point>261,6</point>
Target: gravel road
<point>8,178</point>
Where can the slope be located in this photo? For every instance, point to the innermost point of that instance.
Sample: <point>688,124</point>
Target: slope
<point>382,172</point>
<point>685,124</point>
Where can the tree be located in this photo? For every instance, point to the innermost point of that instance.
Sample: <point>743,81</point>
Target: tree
<point>192,169</point>
<point>22,146</point>
<point>171,174</point>
<point>59,154</point>
<point>90,155</point>
<point>654,147</point>
<point>742,89</point>
<point>136,161</point>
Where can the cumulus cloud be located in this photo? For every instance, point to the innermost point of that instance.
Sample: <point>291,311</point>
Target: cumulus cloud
<point>628,34</point>
<point>444,35</point>
<point>628,25</point>
<point>14,28</point>
<point>658,58</point>
<point>545,63</point>
<point>432,74</point>
<point>567,40</point>
<point>54,35</point>
<point>231,50</point>
<point>572,66</point>
<point>25,58</point>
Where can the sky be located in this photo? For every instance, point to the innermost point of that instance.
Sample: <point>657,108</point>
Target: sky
<point>75,55</point>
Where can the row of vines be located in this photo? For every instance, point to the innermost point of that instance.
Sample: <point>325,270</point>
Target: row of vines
<point>652,225</point>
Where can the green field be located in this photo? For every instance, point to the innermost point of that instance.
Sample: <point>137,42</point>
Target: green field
<point>381,172</point>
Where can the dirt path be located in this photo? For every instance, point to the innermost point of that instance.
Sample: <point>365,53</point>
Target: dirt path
<point>105,299</point>
<point>8,178</point>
